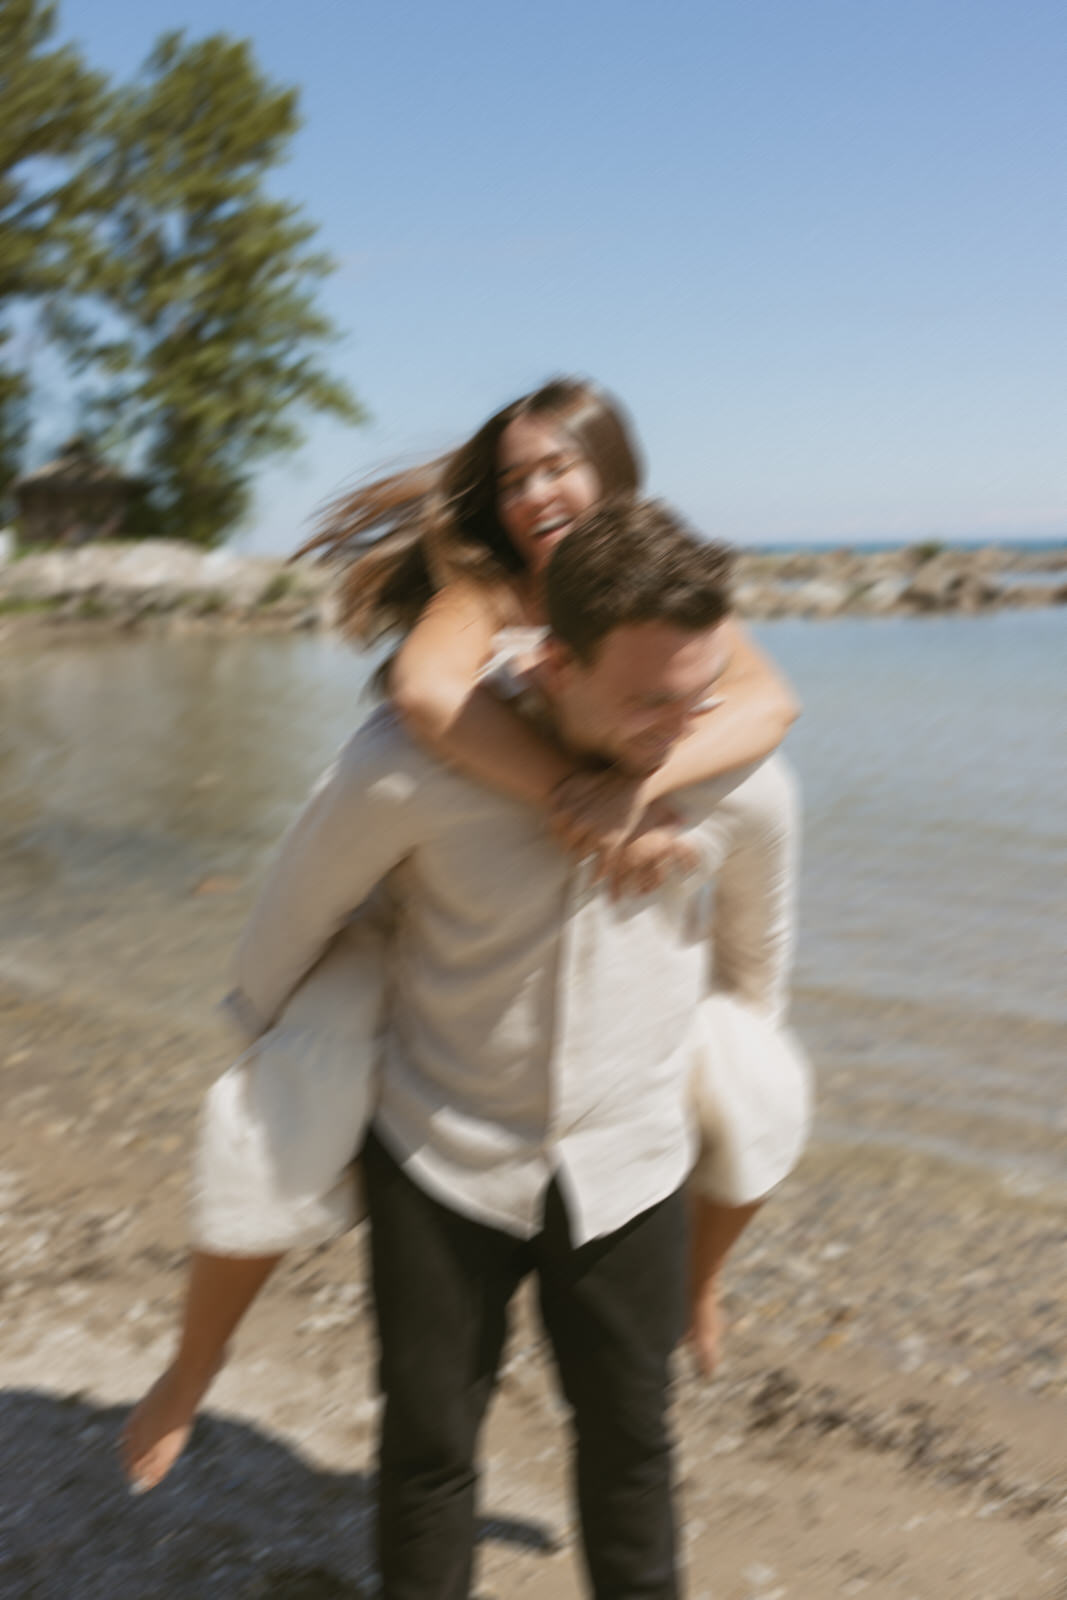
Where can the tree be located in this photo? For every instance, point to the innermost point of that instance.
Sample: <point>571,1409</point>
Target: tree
<point>207,281</point>
<point>49,102</point>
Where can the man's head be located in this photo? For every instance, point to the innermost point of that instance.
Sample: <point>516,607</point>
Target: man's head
<point>635,609</point>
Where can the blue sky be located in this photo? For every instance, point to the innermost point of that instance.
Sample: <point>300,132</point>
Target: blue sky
<point>818,247</point>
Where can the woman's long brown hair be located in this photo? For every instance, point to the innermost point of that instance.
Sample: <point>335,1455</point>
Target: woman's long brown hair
<point>398,539</point>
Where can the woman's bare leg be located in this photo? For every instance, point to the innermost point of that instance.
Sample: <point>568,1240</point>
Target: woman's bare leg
<point>219,1292</point>
<point>715,1230</point>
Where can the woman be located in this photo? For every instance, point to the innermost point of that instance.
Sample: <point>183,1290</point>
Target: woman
<point>450,557</point>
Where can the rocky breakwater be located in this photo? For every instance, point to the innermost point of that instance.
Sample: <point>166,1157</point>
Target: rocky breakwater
<point>910,581</point>
<point>180,586</point>
<point>161,581</point>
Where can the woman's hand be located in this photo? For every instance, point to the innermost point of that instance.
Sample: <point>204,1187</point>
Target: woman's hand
<point>653,851</point>
<point>594,813</point>
<point>637,845</point>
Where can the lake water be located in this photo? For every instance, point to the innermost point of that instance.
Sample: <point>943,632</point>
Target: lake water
<point>142,781</point>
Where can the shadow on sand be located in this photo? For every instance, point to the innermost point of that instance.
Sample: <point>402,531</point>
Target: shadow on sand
<point>242,1516</point>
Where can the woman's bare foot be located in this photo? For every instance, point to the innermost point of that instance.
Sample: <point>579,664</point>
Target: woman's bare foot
<point>707,1325</point>
<point>158,1428</point>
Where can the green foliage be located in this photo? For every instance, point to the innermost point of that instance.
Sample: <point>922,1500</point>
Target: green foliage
<point>280,587</point>
<point>49,103</point>
<point>90,606</point>
<point>209,280</point>
<point>176,284</point>
<point>14,418</point>
<point>925,550</point>
<point>18,605</point>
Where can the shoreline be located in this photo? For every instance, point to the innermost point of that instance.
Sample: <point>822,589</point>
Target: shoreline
<point>164,585</point>
<point>888,1420</point>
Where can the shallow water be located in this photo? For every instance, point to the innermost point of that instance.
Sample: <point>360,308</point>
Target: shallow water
<point>142,780</point>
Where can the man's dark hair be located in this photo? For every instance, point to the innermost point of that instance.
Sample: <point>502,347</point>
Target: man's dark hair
<point>632,561</point>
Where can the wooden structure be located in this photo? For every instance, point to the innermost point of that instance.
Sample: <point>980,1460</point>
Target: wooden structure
<point>73,499</point>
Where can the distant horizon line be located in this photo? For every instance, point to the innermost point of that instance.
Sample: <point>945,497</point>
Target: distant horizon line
<point>1018,541</point>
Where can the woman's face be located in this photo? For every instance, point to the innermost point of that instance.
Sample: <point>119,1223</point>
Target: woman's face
<point>543,487</point>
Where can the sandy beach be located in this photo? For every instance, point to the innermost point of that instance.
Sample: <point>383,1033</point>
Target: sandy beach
<point>888,1422</point>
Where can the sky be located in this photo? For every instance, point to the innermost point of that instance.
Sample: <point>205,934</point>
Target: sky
<point>817,247</point>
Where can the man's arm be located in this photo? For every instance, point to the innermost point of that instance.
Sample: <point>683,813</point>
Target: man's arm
<point>755,893</point>
<point>364,816</point>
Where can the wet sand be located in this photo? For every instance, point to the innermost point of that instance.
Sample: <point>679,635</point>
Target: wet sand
<point>889,1421</point>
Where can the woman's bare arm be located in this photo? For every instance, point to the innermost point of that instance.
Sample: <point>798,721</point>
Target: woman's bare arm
<point>756,710</point>
<point>433,684</point>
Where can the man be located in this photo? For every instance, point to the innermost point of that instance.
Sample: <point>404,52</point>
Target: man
<point>533,1105</point>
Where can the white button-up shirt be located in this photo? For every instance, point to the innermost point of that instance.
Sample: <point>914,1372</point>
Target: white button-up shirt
<point>535,1029</point>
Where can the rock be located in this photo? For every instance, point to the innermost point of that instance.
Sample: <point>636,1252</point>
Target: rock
<point>1027,596</point>
<point>948,583</point>
<point>131,581</point>
<point>1053,560</point>
<point>760,600</point>
<point>926,577</point>
<point>882,596</point>
<point>820,598</point>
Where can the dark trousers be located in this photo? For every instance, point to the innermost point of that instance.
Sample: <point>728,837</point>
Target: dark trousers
<point>613,1310</point>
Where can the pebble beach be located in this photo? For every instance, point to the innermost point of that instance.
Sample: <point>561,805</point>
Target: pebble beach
<point>888,1420</point>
